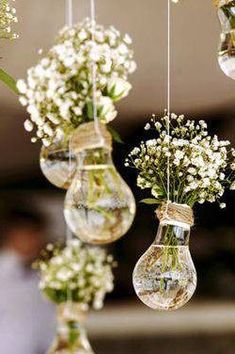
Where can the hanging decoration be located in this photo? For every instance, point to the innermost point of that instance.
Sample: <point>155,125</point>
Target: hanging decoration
<point>58,91</point>
<point>76,279</point>
<point>201,168</point>
<point>226,53</point>
<point>181,166</point>
<point>99,206</point>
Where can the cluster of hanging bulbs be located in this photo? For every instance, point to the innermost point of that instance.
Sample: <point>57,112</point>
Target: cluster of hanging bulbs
<point>100,207</point>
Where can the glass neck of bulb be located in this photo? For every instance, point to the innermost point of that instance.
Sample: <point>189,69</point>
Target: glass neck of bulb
<point>226,15</point>
<point>173,234</point>
<point>71,327</point>
<point>67,327</point>
<point>94,158</point>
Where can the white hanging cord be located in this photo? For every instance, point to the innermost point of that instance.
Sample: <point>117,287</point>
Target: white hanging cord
<point>168,92</point>
<point>69,12</point>
<point>94,74</point>
<point>69,22</point>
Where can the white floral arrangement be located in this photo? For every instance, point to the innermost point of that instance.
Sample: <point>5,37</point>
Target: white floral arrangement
<point>201,166</point>
<point>7,19</point>
<point>58,90</point>
<point>78,273</point>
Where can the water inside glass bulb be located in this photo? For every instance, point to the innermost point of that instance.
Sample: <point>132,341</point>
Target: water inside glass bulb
<point>226,52</point>
<point>165,277</point>
<point>58,165</point>
<point>99,206</point>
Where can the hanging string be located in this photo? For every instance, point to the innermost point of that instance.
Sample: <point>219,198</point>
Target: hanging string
<point>69,234</point>
<point>69,22</point>
<point>94,74</point>
<point>69,12</point>
<point>168,93</point>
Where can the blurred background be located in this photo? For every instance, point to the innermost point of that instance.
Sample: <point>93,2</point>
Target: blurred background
<point>32,209</point>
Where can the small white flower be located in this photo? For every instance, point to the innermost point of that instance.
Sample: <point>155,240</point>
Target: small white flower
<point>147,126</point>
<point>46,142</point>
<point>82,35</point>
<point>107,109</point>
<point>23,101</point>
<point>21,86</point>
<point>118,88</point>
<point>127,39</point>
<point>222,205</point>
<point>28,125</point>
<point>232,187</point>
<point>123,49</point>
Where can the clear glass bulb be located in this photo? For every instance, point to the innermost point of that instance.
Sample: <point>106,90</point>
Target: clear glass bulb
<point>226,53</point>
<point>99,206</point>
<point>71,335</point>
<point>57,164</point>
<point>165,277</point>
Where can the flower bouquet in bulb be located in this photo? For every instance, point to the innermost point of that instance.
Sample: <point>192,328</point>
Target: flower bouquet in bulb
<point>200,167</point>
<point>58,91</point>
<point>76,279</point>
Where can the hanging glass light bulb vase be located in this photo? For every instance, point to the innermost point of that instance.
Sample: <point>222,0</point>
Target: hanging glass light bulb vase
<point>71,335</point>
<point>165,277</point>
<point>99,206</point>
<point>226,53</point>
<point>57,163</point>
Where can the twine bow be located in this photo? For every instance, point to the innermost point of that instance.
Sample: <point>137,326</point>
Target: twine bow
<point>85,137</point>
<point>181,213</point>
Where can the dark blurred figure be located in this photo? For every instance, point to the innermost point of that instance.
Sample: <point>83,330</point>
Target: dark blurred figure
<point>27,321</point>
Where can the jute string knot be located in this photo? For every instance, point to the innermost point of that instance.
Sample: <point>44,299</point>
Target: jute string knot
<point>85,137</point>
<point>180,213</point>
<point>220,3</point>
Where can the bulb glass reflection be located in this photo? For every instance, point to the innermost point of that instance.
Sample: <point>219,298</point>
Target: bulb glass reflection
<point>57,163</point>
<point>165,277</point>
<point>226,53</point>
<point>99,206</point>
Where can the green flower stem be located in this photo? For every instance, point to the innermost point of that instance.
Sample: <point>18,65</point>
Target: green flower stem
<point>170,254</point>
<point>98,185</point>
<point>8,81</point>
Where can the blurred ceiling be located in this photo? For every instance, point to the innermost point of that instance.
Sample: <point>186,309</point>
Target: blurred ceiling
<point>198,85</point>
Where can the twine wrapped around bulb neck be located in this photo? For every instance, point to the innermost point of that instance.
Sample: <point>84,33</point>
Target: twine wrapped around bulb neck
<point>85,137</point>
<point>220,3</point>
<point>181,213</point>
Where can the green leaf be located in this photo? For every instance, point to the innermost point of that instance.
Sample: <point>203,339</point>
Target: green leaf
<point>116,136</point>
<point>150,201</point>
<point>8,81</point>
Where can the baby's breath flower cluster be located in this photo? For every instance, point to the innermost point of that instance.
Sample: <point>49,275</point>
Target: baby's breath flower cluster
<point>7,18</point>
<point>58,90</point>
<point>201,166</point>
<point>80,273</point>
